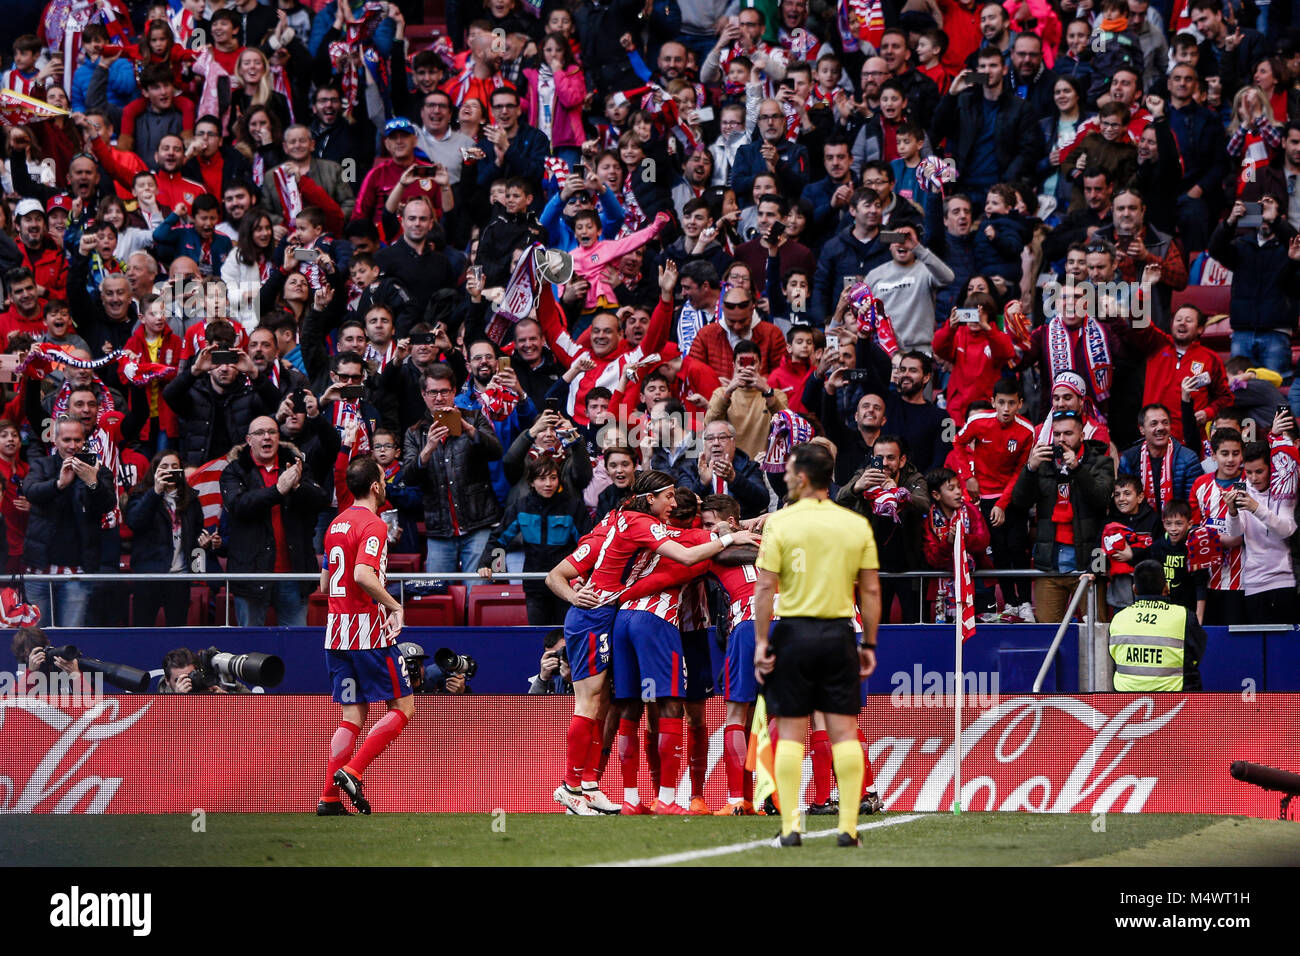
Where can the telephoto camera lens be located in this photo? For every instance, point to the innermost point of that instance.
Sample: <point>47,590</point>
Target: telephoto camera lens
<point>449,662</point>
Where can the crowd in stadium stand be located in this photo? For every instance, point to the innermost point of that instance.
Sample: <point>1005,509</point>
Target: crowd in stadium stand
<point>1030,266</point>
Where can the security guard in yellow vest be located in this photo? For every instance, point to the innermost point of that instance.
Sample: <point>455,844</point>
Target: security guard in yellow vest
<point>1156,645</point>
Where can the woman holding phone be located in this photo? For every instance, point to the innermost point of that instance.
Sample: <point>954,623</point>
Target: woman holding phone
<point>166,520</point>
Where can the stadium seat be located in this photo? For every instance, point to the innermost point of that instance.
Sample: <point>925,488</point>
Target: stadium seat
<point>198,614</point>
<point>317,609</point>
<point>497,605</point>
<point>430,610</point>
<point>1213,301</point>
<point>404,563</point>
<point>457,592</point>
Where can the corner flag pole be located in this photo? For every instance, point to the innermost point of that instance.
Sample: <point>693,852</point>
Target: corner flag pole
<point>959,622</point>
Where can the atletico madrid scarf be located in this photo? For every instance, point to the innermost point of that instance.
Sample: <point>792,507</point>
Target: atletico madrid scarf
<point>1159,495</point>
<point>349,410</point>
<point>357,38</point>
<point>497,402</point>
<point>861,23</point>
<point>1060,355</point>
<point>788,430</point>
<point>44,357</point>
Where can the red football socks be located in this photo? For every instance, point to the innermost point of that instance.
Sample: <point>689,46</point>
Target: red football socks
<point>578,741</point>
<point>629,752</point>
<point>670,756</point>
<point>733,756</point>
<point>341,745</point>
<point>652,757</point>
<point>821,766</point>
<point>699,759</point>
<point>388,729</point>
<point>591,765</point>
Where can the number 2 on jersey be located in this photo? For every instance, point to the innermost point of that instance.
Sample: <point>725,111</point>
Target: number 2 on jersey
<point>336,560</point>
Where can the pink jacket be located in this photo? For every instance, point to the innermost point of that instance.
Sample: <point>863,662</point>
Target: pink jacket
<point>1048,27</point>
<point>590,263</point>
<point>570,91</point>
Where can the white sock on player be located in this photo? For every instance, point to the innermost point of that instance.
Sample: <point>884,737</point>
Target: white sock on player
<point>630,795</point>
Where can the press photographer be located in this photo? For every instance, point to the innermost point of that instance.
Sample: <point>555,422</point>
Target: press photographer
<point>213,671</point>
<point>553,675</point>
<point>448,673</point>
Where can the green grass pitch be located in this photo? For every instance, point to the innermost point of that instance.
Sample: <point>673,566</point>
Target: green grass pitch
<point>523,839</point>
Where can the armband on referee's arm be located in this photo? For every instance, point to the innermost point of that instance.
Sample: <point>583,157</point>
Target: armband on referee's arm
<point>870,647</point>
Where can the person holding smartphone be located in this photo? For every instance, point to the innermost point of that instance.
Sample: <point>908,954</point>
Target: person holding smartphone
<point>70,493</point>
<point>166,522</point>
<point>747,402</point>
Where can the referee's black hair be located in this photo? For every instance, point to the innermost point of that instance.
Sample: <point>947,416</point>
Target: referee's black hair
<point>815,463</point>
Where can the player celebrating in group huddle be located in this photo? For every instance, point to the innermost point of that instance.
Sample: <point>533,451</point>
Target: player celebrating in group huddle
<point>360,638</point>
<point>612,557</point>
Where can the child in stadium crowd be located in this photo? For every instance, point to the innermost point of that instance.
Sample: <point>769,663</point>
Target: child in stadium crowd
<point>1131,527</point>
<point>1001,236</point>
<point>930,48</point>
<point>550,519</point>
<point>803,352</point>
<point>990,451</point>
<point>1225,600</point>
<point>910,140</point>
<point>1186,587</point>
<point>826,79</point>
<point>948,505</point>
<point>408,500</point>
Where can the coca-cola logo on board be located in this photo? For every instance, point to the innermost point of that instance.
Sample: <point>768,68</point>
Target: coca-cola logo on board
<point>1020,721</point>
<point>61,794</point>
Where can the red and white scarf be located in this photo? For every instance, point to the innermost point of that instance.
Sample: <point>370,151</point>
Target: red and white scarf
<point>788,430</point>
<point>497,402</point>
<point>1254,154</point>
<point>286,185</point>
<point>1060,355</point>
<point>356,38</point>
<point>861,23</point>
<point>280,84</point>
<point>1164,493</point>
<point>345,411</point>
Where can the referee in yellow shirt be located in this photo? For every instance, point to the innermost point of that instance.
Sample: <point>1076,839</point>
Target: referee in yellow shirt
<point>815,554</point>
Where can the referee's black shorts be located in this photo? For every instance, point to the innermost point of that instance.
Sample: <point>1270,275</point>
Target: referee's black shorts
<point>816,668</point>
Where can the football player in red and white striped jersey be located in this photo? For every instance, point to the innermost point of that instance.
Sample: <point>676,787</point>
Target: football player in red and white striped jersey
<point>360,637</point>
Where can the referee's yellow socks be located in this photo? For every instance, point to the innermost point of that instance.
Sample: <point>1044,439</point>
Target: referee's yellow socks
<point>847,755</point>
<point>788,765</point>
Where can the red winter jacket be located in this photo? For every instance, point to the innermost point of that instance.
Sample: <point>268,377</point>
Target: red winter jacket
<point>169,353</point>
<point>1164,382</point>
<point>984,356</point>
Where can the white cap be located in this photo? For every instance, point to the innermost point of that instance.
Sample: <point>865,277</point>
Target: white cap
<point>28,205</point>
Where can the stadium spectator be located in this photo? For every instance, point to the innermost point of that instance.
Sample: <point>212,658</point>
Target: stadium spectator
<point>446,455</point>
<point>271,505</point>
<point>166,522</point>
<point>70,492</point>
<point>1070,483</point>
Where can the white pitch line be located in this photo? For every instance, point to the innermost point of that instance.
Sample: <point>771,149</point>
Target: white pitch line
<point>689,855</point>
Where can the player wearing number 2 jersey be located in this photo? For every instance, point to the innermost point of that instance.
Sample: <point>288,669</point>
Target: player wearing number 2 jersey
<point>636,531</point>
<point>360,638</point>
